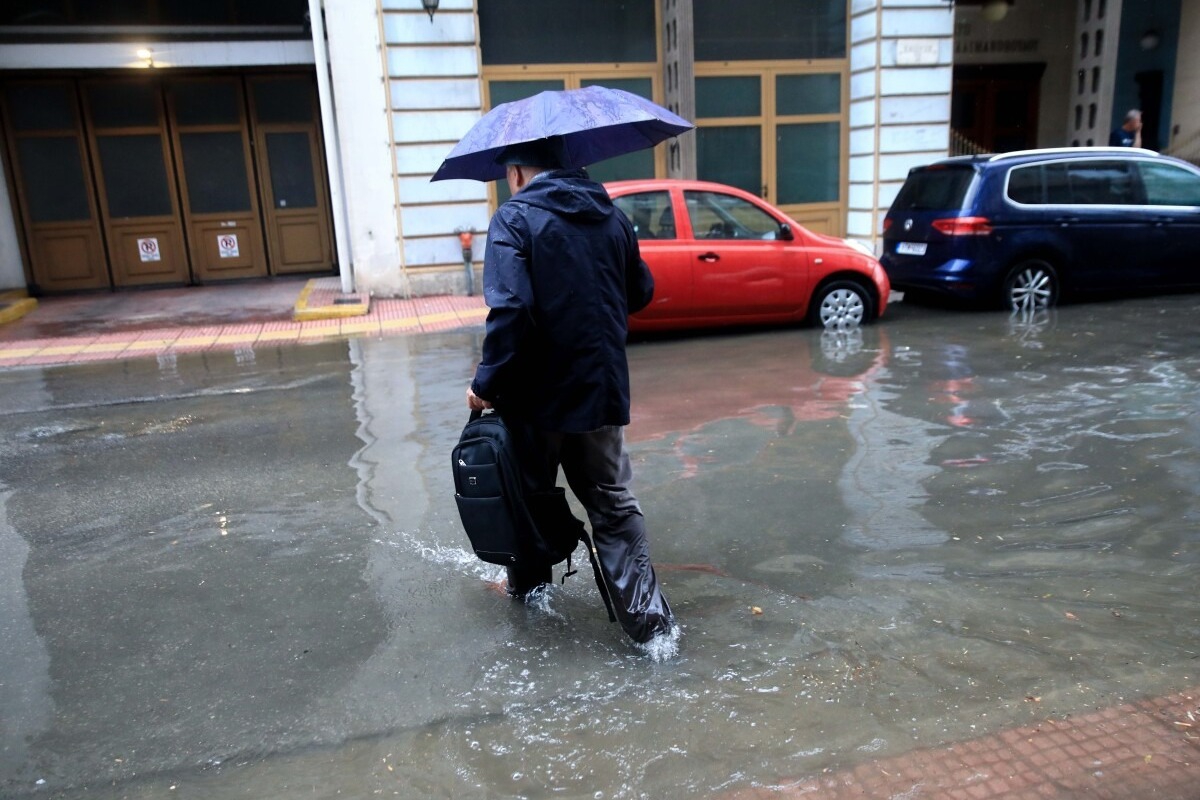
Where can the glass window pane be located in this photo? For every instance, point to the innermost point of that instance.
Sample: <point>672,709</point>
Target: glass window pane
<point>808,163</point>
<point>194,12</point>
<point>123,105</point>
<point>206,103</point>
<point>651,214</point>
<point>728,97</point>
<point>113,12</point>
<point>730,155</point>
<point>723,216</point>
<point>756,30</point>
<point>591,31</point>
<point>1058,188</point>
<point>41,107</point>
<point>1168,185</point>
<point>283,101</point>
<point>135,177</point>
<point>214,166</point>
<point>935,189</point>
<point>642,87</point>
<point>808,94</point>
<point>1101,183</point>
<point>53,178</point>
<point>1025,185</point>
<point>33,12</point>
<point>508,91</point>
<point>639,164</point>
<point>237,12</point>
<point>289,159</point>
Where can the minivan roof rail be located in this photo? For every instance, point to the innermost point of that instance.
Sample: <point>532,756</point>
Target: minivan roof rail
<point>1048,150</point>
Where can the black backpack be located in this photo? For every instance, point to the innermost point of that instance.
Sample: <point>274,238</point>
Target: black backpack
<point>506,525</point>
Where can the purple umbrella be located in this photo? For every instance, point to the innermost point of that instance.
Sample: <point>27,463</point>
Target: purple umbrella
<point>594,123</point>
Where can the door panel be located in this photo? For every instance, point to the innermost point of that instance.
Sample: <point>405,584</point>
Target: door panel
<point>1172,195</point>
<point>220,202</point>
<point>145,252</point>
<point>291,174</point>
<point>153,180</point>
<point>137,187</point>
<point>996,107</point>
<point>670,259</point>
<point>741,267</point>
<point>51,176</point>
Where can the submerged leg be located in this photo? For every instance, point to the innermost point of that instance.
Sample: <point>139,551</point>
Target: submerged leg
<point>598,470</point>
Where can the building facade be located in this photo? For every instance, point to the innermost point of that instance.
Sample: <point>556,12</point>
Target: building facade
<point>179,142</point>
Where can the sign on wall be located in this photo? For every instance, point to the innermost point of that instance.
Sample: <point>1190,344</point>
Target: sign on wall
<point>148,250</point>
<point>227,245</point>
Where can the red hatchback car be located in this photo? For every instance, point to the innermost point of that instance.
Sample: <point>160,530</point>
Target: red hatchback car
<point>721,256</point>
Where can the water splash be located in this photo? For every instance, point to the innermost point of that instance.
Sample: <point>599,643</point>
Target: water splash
<point>662,647</point>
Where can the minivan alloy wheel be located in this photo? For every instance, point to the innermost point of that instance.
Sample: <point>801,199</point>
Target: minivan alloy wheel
<point>1031,285</point>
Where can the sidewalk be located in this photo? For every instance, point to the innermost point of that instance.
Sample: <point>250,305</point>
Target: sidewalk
<point>1148,748</point>
<point>120,325</point>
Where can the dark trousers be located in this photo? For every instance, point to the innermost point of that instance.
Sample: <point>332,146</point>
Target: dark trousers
<point>598,472</point>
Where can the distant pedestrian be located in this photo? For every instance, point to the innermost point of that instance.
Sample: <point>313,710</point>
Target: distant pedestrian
<point>1129,134</point>
<point>561,273</point>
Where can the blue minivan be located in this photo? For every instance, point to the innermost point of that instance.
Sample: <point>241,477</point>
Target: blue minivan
<point>1023,229</point>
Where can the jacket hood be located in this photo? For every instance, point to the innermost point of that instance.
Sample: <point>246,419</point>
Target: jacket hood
<point>569,193</point>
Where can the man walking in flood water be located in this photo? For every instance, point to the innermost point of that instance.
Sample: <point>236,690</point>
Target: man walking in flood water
<point>562,272</point>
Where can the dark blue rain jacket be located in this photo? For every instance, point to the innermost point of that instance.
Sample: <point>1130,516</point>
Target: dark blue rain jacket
<point>561,273</point>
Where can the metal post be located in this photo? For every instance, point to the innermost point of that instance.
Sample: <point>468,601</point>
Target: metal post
<point>464,238</point>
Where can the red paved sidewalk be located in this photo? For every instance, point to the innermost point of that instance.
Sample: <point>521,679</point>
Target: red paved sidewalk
<point>1145,749</point>
<point>155,323</point>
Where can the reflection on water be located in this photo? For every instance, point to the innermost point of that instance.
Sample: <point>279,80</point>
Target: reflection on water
<point>924,531</point>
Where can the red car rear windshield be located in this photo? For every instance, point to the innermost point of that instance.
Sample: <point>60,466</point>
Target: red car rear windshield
<point>940,188</point>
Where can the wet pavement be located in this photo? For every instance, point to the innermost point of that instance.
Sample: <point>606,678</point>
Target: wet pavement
<point>164,323</point>
<point>954,555</point>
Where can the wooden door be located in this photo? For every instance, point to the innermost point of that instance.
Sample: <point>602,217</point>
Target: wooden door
<point>291,173</point>
<point>220,200</point>
<point>52,179</point>
<point>137,190</point>
<point>996,107</point>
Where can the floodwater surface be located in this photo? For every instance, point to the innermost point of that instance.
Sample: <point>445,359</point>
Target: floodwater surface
<point>241,575</point>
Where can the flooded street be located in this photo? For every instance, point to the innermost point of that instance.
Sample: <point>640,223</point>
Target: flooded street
<point>241,575</point>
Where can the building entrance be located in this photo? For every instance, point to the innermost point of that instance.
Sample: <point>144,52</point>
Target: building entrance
<point>125,182</point>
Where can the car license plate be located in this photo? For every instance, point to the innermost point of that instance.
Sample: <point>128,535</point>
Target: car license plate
<point>911,248</point>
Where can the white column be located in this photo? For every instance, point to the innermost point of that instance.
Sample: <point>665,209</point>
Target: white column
<point>361,114</point>
<point>12,271</point>
<point>901,74</point>
<point>435,96</point>
<point>1089,116</point>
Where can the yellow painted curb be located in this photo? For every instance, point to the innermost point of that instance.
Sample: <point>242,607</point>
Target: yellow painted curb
<point>12,309</point>
<point>302,313</point>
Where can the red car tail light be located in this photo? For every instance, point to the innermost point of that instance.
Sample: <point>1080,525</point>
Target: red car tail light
<point>963,226</point>
<point>887,223</point>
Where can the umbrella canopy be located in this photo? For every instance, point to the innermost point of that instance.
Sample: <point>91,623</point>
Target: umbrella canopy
<point>587,125</point>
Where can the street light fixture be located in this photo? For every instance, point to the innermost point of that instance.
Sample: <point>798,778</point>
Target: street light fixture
<point>430,6</point>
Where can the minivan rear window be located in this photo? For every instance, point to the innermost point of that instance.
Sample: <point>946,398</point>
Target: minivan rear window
<point>937,188</point>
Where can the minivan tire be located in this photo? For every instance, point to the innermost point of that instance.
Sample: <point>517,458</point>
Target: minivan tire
<point>1030,285</point>
<point>841,304</point>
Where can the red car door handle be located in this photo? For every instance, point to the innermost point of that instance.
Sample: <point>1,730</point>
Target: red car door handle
<point>710,257</point>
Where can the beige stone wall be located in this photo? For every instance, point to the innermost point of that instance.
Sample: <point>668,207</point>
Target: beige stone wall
<point>1029,33</point>
<point>1185,105</point>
